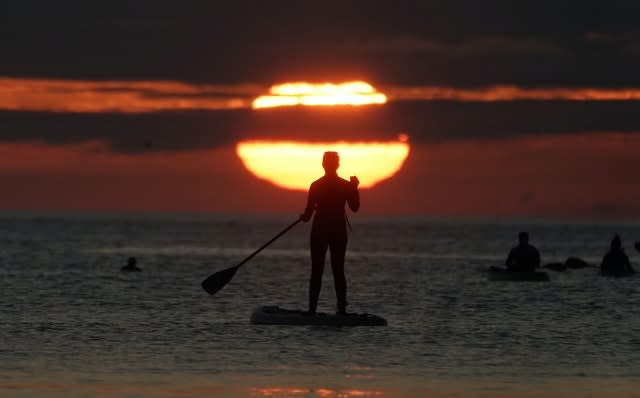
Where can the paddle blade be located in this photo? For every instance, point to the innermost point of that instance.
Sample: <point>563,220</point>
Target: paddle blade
<point>218,280</point>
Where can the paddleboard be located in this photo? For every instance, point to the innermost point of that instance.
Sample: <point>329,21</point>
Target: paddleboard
<point>274,315</point>
<point>497,274</point>
<point>617,274</point>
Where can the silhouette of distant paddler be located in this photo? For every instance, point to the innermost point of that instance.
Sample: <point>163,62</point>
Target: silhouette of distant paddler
<point>327,198</point>
<point>576,263</point>
<point>616,262</point>
<point>523,257</point>
<point>131,266</point>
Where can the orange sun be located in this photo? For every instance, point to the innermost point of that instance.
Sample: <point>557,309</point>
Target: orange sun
<point>323,94</point>
<point>294,165</point>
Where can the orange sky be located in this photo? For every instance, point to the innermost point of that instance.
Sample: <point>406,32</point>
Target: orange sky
<point>572,175</point>
<point>564,175</point>
<point>119,96</point>
<point>194,167</point>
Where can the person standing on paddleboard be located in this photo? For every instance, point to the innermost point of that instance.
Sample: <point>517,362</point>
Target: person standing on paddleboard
<point>327,198</point>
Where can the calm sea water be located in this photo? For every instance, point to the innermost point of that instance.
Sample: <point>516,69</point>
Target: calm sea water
<point>71,324</point>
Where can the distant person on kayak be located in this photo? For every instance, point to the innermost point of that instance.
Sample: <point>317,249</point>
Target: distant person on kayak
<point>616,262</point>
<point>131,266</point>
<point>523,257</point>
<point>327,198</point>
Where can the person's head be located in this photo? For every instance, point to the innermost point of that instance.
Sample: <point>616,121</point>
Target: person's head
<point>523,238</point>
<point>330,161</point>
<point>616,243</point>
<point>132,262</point>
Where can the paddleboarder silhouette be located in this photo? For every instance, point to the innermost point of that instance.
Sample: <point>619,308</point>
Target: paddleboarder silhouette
<point>327,198</point>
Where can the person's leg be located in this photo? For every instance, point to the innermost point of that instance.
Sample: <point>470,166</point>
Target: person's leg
<point>318,254</point>
<point>338,249</point>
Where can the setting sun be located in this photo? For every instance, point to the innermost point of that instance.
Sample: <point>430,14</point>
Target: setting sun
<point>294,165</point>
<point>324,94</point>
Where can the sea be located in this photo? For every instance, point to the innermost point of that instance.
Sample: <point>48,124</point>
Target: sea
<point>73,325</point>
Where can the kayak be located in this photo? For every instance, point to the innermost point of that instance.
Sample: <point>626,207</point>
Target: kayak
<point>502,274</point>
<point>274,315</point>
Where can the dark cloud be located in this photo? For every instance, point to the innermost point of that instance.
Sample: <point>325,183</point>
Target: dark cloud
<point>475,43</point>
<point>458,44</point>
<point>443,121</point>
<point>486,46</point>
<point>427,122</point>
<point>130,133</point>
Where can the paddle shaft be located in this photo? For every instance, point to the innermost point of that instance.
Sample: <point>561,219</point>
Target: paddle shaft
<point>218,280</point>
<point>284,231</point>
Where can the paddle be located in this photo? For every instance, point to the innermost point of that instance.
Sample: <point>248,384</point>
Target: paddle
<point>218,280</point>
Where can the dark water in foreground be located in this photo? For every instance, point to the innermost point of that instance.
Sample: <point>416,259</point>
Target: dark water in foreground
<point>73,325</point>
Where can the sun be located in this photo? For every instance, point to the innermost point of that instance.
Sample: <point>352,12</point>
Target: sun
<point>294,164</point>
<point>356,93</point>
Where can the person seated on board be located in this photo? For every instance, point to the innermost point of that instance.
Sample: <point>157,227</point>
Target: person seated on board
<point>524,257</point>
<point>616,262</point>
<point>131,266</point>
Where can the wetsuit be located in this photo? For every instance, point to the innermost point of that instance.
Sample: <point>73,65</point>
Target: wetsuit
<point>523,257</point>
<point>327,197</point>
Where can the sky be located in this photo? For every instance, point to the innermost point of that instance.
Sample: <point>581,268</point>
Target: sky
<point>511,108</point>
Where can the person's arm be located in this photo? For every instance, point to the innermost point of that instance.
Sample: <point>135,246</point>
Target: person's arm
<point>311,205</point>
<point>354,196</point>
<point>510,259</point>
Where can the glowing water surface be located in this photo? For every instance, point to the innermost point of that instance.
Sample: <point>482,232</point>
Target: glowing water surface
<point>74,325</point>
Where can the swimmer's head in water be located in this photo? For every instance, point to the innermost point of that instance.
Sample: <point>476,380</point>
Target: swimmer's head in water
<point>330,161</point>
